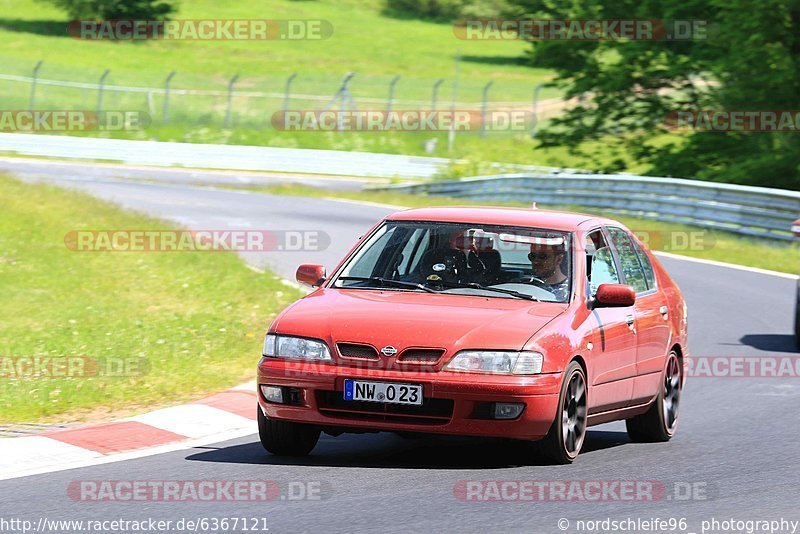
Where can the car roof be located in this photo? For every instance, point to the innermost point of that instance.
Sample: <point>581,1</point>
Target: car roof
<point>564,221</point>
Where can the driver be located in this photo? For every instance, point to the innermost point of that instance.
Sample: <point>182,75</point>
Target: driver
<point>546,263</point>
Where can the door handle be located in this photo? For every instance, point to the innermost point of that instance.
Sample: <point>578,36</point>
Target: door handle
<point>629,320</point>
<point>663,310</point>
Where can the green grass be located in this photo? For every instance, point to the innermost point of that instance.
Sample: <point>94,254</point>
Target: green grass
<point>671,237</point>
<point>366,41</point>
<point>196,318</point>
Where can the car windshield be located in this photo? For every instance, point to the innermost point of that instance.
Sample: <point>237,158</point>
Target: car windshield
<point>467,259</point>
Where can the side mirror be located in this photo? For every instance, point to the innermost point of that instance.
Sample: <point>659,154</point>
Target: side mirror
<point>311,275</point>
<point>614,296</point>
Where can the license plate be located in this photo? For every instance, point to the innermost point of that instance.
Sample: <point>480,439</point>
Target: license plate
<point>390,392</point>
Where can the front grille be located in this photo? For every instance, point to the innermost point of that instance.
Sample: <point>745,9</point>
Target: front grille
<point>422,356</point>
<point>432,411</point>
<point>357,351</point>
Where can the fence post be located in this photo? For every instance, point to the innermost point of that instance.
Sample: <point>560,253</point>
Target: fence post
<point>166,96</point>
<point>343,94</point>
<point>483,108</point>
<point>32,102</point>
<point>100,86</point>
<point>230,101</point>
<point>535,118</point>
<point>451,135</point>
<point>391,94</point>
<point>287,92</point>
<point>435,93</point>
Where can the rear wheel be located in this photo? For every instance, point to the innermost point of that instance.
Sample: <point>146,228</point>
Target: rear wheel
<point>564,441</point>
<point>660,422</point>
<point>286,438</point>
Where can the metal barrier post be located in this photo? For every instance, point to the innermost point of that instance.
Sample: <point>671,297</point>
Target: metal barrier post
<point>483,108</point>
<point>101,86</point>
<point>287,91</point>
<point>230,101</point>
<point>32,102</point>
<point>391,94</point>
<point>166,96</point>
<point>535,118</point>
<point>435,93</point>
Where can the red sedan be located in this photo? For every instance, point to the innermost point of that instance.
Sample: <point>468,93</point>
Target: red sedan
<point>524,324</point>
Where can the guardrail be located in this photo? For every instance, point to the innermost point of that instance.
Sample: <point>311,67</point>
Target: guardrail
<point>754,211</point>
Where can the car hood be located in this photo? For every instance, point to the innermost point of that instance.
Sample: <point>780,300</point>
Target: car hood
<point>412,319</point>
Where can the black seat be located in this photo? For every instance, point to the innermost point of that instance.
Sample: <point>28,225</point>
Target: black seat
<point>492,262</point>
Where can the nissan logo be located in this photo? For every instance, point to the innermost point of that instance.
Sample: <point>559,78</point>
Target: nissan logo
<point>389,350</point>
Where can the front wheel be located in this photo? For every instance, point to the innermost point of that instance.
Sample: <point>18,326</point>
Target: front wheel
<point>660,422</point>
<point>564,441</point>
<point>286,438</point>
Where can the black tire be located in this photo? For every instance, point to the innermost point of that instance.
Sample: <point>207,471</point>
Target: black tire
<point>285,438</point>
<point>565,439</point>
<point>660,422</point>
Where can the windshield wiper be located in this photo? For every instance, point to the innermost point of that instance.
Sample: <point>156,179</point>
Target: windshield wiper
<point>388,281</point>
<point>511,292</point>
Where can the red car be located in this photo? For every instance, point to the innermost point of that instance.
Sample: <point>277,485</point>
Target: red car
<point>514,323</point>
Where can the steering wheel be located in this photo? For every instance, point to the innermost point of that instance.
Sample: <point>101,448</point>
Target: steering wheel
<point>538,281</point>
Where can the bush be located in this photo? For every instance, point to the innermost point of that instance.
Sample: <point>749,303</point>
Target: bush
<point>116,9</point>
<point>449,9</point>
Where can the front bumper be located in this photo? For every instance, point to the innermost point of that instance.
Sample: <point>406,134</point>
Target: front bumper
<point>454,402</point>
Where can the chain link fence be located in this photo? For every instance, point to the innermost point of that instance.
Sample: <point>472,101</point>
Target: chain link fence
<point>245,101</point>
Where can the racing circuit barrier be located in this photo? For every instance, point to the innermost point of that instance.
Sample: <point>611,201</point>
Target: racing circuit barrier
<point>753,211</point>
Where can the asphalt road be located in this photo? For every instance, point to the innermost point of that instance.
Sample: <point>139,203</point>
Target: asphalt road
<point>737,442</point>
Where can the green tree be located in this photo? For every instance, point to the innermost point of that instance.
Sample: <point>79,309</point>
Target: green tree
<point>116,9</point>
<point>748,59</point>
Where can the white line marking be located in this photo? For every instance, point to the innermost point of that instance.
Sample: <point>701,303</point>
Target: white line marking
<point>161,449</point>
<point>194,420</point>
<point>366,203</point>
<point>247,386</point>
<point>726,265</point>
<point>38,452</point>
<point>254,269</point>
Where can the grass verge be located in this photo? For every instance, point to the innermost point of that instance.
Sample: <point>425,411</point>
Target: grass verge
<point>195,320</point>
<point>683,239</point>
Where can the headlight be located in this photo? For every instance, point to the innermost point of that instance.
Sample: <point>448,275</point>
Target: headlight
<point>486,361</point>
<point>300,348</point>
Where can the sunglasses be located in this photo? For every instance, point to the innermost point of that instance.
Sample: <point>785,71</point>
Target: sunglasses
<point>533,256</point>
